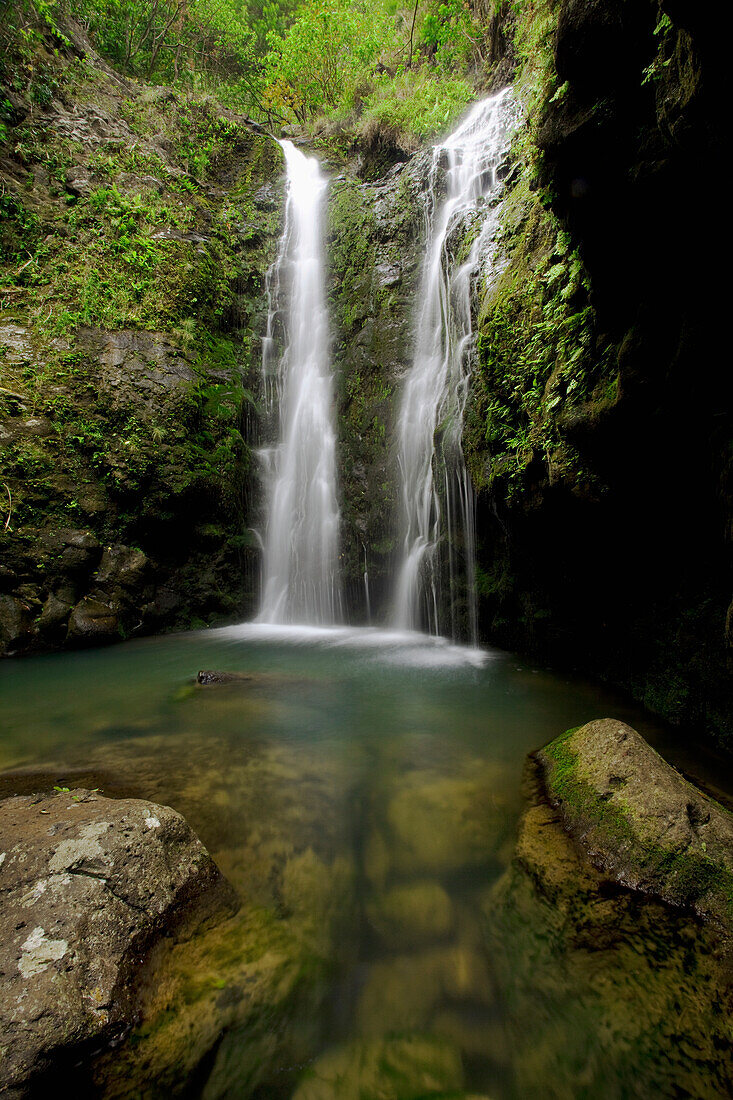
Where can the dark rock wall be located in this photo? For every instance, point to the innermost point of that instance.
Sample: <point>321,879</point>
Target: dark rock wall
<point>605,509</point>
<point>374,238</point>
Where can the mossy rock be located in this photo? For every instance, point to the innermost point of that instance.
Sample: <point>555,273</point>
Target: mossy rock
<point>606,992</point>
<point>639,821</point>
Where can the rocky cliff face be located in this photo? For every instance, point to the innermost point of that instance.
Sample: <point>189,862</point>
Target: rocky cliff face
<point>136,231</point>
<point>600,429</point>
<point>375,233</point>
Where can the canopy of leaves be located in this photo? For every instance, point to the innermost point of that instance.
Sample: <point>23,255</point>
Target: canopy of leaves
<point>316,64</point>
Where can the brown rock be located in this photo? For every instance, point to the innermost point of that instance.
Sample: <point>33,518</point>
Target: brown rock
<point>93,621</point>
<point>638,820</point>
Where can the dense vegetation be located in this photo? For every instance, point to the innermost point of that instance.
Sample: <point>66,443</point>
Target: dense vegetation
<point>132,253</point>
<point>334,66</point>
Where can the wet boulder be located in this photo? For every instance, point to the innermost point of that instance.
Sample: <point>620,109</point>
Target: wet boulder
<point>124,583</point>
<point>75,552</point>
<point>88,885</point>
<point>14,622</point>
<point>638,820</point>
<point>92,622</point>
<point>123,567</point>
<point>54,617</point>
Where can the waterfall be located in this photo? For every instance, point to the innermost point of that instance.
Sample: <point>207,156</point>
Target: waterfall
<point>437,502</point>
<point>300,570</point>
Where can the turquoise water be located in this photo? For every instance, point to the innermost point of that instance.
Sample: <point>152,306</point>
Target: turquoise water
<point>362,791</point>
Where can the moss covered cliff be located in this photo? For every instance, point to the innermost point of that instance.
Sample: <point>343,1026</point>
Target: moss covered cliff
<point>375,233</point>
<point>599,433</point>
<point>137,226</point>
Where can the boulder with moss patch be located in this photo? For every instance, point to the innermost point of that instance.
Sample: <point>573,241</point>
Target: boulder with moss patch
<point>606,991</point>
<point>639,821</point>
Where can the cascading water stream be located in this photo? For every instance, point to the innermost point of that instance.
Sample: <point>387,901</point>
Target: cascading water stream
<point>438,539</point>
<point>300,565</point>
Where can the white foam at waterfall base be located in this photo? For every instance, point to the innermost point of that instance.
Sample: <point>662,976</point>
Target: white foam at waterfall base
<point>408,648</point>
<point>436,492</point>
<point>300,560</point>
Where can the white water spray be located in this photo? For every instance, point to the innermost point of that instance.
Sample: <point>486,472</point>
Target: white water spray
<point>438,526</point>
<point>300,571</point>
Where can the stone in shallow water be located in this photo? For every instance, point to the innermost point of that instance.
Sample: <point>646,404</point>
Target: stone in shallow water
<point>404,992</point>
<point>212,676</point>
<point>411,914</point>
<point>88,884</point>
<point>389,1069</point>
<point>441,824</point>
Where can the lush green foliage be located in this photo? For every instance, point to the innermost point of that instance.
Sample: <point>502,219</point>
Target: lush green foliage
<point>320,59</point>
<point>352,66</point>
<point>192,41</point>
<point>415,104</point>
<point>406,71</point>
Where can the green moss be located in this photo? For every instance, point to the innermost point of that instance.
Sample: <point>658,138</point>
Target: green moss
<point>580,801</point>
<point>164,239</point>
<point>539,358</point>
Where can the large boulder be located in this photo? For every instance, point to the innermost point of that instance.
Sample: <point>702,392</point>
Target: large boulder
<point>606,991</point>
<point>14,621</point>
<point>88,885</point>
<point>638,820</point>
<point>93,621</point>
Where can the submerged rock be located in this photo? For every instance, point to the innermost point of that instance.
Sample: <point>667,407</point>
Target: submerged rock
<point>439,823</point>
<point>88,886</point>
<point>403,1068</point>
<point>406,991</point>
<point>414,912</point>
<point>639,821</point>
<point>209,677</point>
